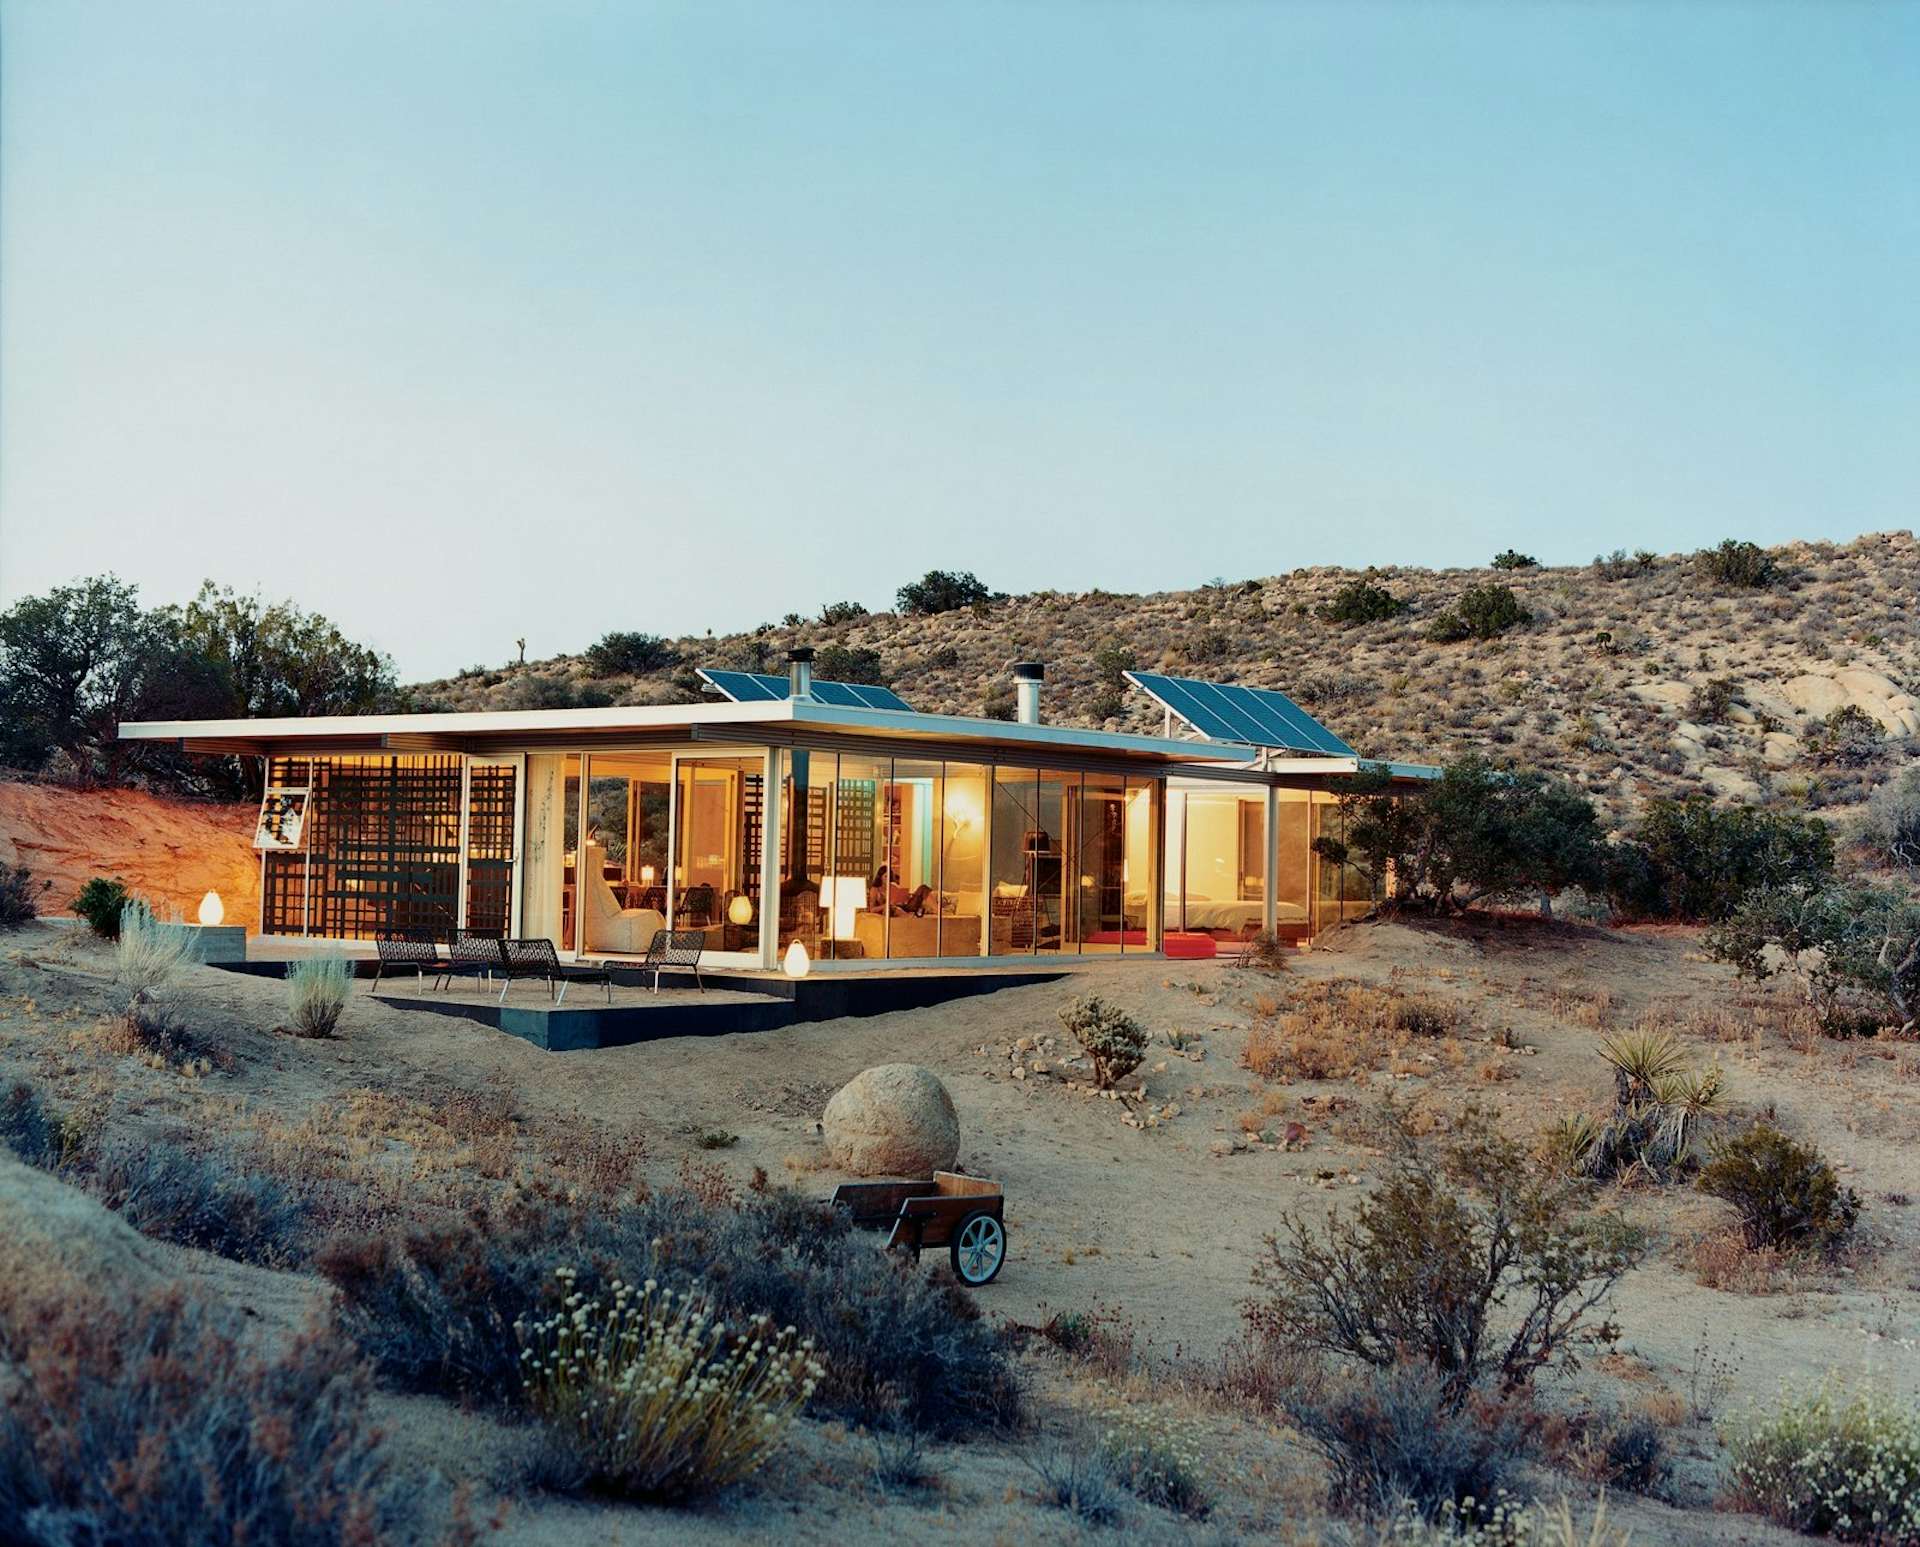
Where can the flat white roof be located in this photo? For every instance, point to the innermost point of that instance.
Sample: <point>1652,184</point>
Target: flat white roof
<point>602,724</point>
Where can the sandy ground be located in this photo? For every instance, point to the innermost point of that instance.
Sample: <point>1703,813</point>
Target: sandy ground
<point>1150,1224</point>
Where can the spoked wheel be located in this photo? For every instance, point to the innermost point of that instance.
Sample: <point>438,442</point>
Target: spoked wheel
<point>979,1248</point>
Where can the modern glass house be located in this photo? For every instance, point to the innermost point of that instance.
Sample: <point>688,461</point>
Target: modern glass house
<point>825,813</point>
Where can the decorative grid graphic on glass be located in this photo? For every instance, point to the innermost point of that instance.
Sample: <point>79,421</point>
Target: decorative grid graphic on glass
<point>753,687</point>
<point>1231,711</point>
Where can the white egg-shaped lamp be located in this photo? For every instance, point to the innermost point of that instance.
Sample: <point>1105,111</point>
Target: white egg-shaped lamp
<point>796,963</point>
<point>212,909</point>
<point>740,910</point>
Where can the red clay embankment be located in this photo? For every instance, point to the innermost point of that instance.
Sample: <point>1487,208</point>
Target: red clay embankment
<point>172,852</point>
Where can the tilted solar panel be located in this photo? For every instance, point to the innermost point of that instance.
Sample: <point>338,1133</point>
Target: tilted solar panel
<point>1232,711</point>
<point>754,687</point>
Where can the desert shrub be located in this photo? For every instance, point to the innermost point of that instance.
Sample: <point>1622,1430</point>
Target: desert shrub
<point>1207,646</point>
<point>653,1395</point>
<point>1736,563</point>
<point>942,590</point>
<point>147,955</point>
<point>145,1424</point>
<point>1361,601</point>
<point>209,1200</point>
<point>1421,1267</point>
<point>1394,1436</point>
<point>1633,1454</point>
<point>19,896</point>
<point>1113,1039</point>
<point>317,989</point>
<point>624,654</point>
<point>1512,558</point>
<point>1157,1458</point>
<point>1848,737</point>
<point>1482,612</point>
<point>836,613</point>
<point>1788,1196</point>
<point>1853,949</point>
<point>1892,826</point>
<point>35,1135</point>
<point>1263,952</point>
<point>1832,1465</point>
<point>1712,700</point>
<point>943,658</point>
<point>99,902</point>
<point>1618,565</point>
<point>1659,1104</point>
<point>1077,1475</point>
<point>844,663</point>
<point>435,1307</point>
<point>1692,859</point>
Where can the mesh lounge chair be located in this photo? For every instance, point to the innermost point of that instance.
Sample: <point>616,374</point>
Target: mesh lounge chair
<point>401,952</point>
<point>675,948</point>
<point>470,956</point>
<point>537,958</point>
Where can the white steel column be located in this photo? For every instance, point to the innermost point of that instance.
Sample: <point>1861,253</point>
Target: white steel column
<point>770,841</point>
<point>1270,893</point>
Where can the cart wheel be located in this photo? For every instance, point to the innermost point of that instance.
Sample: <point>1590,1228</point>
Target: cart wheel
<point>979,1248</point>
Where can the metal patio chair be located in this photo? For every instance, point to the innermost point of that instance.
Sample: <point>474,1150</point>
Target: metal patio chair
<point>470,956</point>
<point>675,948</point>
<point>403,950</point>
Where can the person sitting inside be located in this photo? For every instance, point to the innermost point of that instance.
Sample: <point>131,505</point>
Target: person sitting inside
<point>884,891</point>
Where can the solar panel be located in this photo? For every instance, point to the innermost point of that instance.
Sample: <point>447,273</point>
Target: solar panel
<point>1231,711</point>
<point>754,687</point>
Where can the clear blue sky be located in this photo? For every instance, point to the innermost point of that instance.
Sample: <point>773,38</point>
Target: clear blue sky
<point>460,322</point>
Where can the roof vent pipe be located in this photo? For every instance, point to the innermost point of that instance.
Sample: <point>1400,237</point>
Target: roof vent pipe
<point>1027,677</point>
<point>800,672</point>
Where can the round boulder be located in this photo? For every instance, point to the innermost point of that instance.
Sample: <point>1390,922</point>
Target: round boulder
<point>892,1120</point>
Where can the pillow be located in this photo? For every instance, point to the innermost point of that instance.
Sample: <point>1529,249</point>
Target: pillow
<point>1010,889</point>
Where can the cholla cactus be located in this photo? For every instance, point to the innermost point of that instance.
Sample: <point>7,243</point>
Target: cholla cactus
<point>657,1397</point>
<point>1113,1039</point>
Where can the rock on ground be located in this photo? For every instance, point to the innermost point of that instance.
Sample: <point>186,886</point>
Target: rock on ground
<point>893,1120</point>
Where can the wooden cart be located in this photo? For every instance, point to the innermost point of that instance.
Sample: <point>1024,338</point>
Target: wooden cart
<point>962,1213</point>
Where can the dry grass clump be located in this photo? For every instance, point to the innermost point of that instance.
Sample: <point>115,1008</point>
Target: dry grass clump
<point>1341,1029</point>
<point>653,1395</point>
<point>144,1424</point>
<point>1721,1259</point>
<point>317,990</point>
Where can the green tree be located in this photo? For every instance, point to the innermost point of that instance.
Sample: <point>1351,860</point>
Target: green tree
<point>1477,832</point>
<point>273,659</point>
<point>942,590</point>
<point>1692,859</point>
<point>73,664</point>
<point>1845,945</point>
<point>848,663</point>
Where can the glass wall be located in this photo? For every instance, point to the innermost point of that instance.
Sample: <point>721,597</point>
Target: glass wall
<point>1101,877</point>
<point>806,779</point>
<point>716,879</point>
<point>621,866</point>
<point>1340,891</point>
<point>1293,876</point>
<point>962,825</point>
<point>910,861</point>
<point>853,899</point>
<point>1216,860</point>
<point>1140,864</point>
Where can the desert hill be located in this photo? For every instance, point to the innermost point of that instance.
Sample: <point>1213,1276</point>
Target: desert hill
<point>1610,682</point>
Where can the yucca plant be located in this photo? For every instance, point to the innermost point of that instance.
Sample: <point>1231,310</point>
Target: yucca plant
<point>654,1397</point>
<point>1641,1059</point>
<point>1659,1105</point>
<point>317,991</point>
